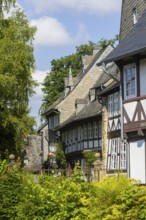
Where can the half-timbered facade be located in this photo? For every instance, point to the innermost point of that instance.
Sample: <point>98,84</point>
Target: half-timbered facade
<point>116,149</point>
<point>130,57</point>
<point>82,132</point>
<point>79,134</point>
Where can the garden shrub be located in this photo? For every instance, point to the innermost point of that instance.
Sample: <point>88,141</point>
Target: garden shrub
<point>62,198</point>
<point>10,190</point>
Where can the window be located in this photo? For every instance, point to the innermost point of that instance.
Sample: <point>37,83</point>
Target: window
<point>114,151</point>
<point>81,133</point>
<point>116,155</point>
<point>100,129</point>
<point>113,104</point>
<point>134,13</point>
<point>123,156</point>
<point>85,131</point>
<point>95,129</point>
<point>90,133</point>
<point>130,81</point>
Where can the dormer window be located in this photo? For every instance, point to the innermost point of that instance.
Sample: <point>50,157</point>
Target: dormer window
<point>134,13</point>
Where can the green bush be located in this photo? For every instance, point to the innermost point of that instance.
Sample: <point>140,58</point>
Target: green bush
<point>10,190</point>
<point>24,197</point>
<point>56,198</point>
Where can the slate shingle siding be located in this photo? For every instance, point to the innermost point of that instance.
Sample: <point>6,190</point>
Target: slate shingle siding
<point>127,17</point>
<point>134,43</point>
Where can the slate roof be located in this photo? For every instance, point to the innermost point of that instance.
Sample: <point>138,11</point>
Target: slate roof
<point>112,69</point>
<point>52,107</point>
<point>134,42</point>
<point>89,111</point>
<point>109,88</point>
<point>79,77</point>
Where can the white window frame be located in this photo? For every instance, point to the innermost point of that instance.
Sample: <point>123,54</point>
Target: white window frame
<point>126,68</point>
<point>95,129</point>
<point>114,153</point>
<point>123,158</point>
<point>134,14</point>
<point>114,104</point>
<point>117,155</point>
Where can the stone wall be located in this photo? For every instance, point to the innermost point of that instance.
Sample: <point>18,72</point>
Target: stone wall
<point>32,159</point>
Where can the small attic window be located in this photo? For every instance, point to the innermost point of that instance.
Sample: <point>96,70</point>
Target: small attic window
<point>134,13</point>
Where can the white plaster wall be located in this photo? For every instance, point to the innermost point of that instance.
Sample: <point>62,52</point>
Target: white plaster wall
<point>137,160</point>
<point>130,109</point>
<point>143,77</point>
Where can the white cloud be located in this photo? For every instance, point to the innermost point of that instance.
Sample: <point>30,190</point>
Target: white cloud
<point>88,6</point>
<point>82,36</point>
<point>39,77</point>
<point>50,32</point>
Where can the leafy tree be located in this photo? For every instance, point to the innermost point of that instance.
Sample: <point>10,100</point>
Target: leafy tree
<point>113,42</point>
<point>5,5</point>
<point>16,83</point>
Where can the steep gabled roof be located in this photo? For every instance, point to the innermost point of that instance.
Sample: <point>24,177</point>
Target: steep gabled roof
<point>134,42</point>
<point>81,74</point>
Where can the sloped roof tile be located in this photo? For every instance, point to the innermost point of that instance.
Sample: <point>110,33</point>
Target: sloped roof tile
<point>134,42</point>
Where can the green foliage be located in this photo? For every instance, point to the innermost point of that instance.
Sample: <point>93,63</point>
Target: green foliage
<point>129,204</point>
<point>90,157</point>
<point>85,49</point>
<point>113,42</point>
<point>58,197</point>
<point>10,190</point>
<point>5,5</point>
<point>16,84</point>
<point>53,84</point>
<point>60,156</point>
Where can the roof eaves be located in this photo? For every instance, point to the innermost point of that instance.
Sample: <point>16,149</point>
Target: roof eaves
<point>134,43</point>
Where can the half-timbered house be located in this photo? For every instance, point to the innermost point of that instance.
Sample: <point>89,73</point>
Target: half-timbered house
<point>77,93</point>
<point>130,57</point>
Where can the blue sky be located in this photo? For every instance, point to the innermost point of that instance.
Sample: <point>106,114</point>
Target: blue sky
<point>64,24</point>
